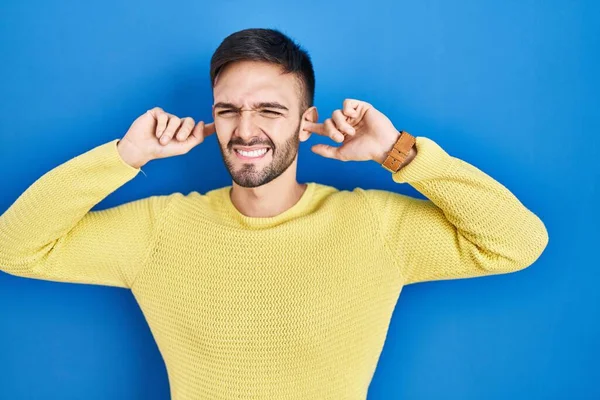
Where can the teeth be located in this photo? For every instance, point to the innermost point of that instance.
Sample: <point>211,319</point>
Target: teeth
<point>254,153</point>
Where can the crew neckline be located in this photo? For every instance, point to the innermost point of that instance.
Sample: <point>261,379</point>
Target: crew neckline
<point>297,209</point>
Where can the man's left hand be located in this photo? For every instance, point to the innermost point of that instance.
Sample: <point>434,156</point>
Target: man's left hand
<point>365,133</point>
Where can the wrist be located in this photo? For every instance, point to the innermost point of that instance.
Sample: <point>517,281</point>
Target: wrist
<point>380,157</point>
<point>409,158</point>
<point>400,153</point>
<point>129,154</point>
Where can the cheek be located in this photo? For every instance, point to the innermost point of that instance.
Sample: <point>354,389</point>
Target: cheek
<point>221,125</point>
<point>279,129</point>
<point>223,128</point>
<point>223,136</point>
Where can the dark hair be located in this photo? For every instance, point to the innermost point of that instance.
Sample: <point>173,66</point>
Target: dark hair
<point>269,45</point>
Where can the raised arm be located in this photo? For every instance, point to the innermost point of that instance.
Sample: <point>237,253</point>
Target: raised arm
<point>470,225</point>
<point>50,232</point>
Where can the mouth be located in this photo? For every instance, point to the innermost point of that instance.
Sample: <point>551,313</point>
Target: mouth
<point>254,154</point>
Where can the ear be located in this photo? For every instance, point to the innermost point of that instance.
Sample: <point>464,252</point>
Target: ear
<point>312,115</point>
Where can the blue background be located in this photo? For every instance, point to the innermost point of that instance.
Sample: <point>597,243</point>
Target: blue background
<point>509,86</point>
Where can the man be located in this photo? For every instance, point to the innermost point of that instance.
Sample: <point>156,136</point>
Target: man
<point>269,288</point>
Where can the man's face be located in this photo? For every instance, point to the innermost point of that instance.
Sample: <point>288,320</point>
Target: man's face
<point>257,120</point>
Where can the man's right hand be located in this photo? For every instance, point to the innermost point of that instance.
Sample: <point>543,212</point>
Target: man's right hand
<point>158,134</point>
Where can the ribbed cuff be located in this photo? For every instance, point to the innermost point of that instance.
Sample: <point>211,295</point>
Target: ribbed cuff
<point>430,161</point>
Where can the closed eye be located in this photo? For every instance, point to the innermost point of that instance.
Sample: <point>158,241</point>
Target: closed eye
<point>271,112</point>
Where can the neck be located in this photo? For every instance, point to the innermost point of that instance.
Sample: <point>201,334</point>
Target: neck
<point>270,199</point>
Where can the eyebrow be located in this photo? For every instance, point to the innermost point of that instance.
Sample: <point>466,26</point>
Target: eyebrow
<point>269,104</point>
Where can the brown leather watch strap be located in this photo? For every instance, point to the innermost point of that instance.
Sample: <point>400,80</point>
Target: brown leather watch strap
<point>399,152</point>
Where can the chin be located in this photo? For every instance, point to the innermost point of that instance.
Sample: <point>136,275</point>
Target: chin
<point>253,180</point>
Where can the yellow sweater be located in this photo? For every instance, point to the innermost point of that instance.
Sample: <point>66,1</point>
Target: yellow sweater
<point>295,306</point>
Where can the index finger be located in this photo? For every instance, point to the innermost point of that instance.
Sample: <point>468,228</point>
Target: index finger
<point>315,127</point>
<point>203,129</point>
<point>209,129</point>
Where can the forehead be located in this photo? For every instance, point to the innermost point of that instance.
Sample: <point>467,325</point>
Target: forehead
<point>247,82</point>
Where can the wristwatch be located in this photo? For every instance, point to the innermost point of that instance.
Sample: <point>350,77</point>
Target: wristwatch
<point>399,152</point>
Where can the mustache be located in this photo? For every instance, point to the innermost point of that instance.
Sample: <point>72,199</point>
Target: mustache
<point>250,144</point>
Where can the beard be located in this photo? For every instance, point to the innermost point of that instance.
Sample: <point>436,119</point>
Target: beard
<point>250,175</point>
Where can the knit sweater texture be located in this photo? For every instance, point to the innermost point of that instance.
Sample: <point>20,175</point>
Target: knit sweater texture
<point>295,306</point>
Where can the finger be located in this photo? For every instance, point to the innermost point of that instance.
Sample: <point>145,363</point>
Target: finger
<point>186,127</point>
<point>195,138</point>
<point>177,147</point>
<point>197,132</point>
<point>209,129</point>
<point>351,108</point>
<point>341,123</point>
<point>332,131</point>
<point>161,118</point>
<point>314,127</point>
<point>326,151</point>
<point>172,126</point>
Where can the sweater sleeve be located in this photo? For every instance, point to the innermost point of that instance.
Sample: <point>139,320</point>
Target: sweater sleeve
<point>470,225</point>
<point>50,233</point>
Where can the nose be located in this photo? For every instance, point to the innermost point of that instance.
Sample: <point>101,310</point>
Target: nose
<point>246,126</point>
